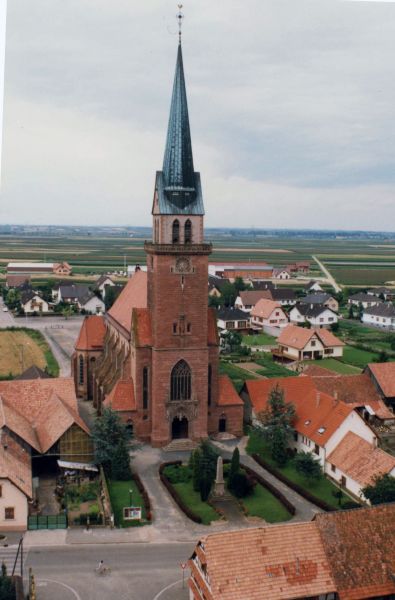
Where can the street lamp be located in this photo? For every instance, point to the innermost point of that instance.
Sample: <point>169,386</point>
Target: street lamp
<point>130,497</point>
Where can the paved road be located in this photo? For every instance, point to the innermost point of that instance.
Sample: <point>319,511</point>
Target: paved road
<point>138,571</point>
<point>330,278</point>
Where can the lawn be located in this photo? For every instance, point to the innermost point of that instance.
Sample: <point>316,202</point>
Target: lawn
<point>338,367</point>
<point>264,505</point>
<point>120,498</point>
<point>237,375</point>
<point>357,357</point>
<point>20,348</point>
<point>322,488</point>
<point>193,501</point>
<point>261,339</point>
<point>271,368</point>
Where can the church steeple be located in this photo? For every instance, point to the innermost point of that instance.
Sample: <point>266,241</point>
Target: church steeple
<point>178,171</point>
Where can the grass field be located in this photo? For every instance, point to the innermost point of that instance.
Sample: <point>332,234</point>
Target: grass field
<point>237,375</point>
<point>264,505</point>
<point>358,358</point>
<point>22,348</point>
<point>271,368</point>
<point>261,339</point>
<point>193,501</point>
<point>338,367</point>
<point>120,498</point>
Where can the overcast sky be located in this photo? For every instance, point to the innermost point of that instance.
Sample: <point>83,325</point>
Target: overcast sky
<point>292,109</point>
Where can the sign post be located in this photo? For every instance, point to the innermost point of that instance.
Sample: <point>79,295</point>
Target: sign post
<point>183,567</point>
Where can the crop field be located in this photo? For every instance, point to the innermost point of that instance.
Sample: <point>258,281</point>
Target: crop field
<point>355,262</point>
<point>20,349</point>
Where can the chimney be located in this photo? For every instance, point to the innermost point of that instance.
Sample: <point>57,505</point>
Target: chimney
<point>311,306</point>
<point>318,398</point>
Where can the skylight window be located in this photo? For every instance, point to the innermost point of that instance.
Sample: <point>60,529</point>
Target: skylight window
<point>307,422</point>
<point>322,430</point>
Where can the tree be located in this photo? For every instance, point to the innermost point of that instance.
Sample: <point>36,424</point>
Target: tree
<point>228,294</point>
<point>207,468</point>
<point>67,311</point>
<point>360,311</point>
<point>234,467</point>
<point>196,469</point>
<point>242,484</point>
<point>7,586</point>
<point>277,425</point>
<point>351,312</point>
<point>111,295</point>
<point>120,463</point>
<point>382,357</point>
<point>13,299</point>
<point>381,490</point>
<point>214,301</point>
<point>307,466</point>
<point>110,438</point>
<point>335,327</point>
<point>233,340</point>
<point>239,285</point>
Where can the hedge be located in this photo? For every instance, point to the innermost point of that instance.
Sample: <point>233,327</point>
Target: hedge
<point>174,494</point>
<point>144,495</point>
<point>295,486</point>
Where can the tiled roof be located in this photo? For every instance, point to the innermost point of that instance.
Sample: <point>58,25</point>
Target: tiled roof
<point>227,394</point>
<point>17,469</point>
<point>277,562</point>
<point>33,372</point>
<point>72,290</point>
<point>359,545</point>
<point>121,398</point>
<point>312,310</point>
<point>265,308</point>
<point>48,406</point>
<point>92,333</point>
<point>316,371</point>
<point>251,297</point>
<point>229,313</point>
<point>384,374</point>
<point>362,297</point>
<point>318,415</point>
<point>102,279</point>
<point>133,295</point>
<point>17,280</point>
<point>359,460</point>
<point>262,285</point>
<point>142,327</point>
<point>283,294</point>
<point>381,310</point>
<point>316,298</point>
<point>354,389</point>
<point>298,337</point>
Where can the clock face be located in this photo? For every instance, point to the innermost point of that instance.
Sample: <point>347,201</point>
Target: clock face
<point>183,265</point>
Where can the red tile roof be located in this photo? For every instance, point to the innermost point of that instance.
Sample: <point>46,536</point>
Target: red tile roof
<point>264,308</point>
<point>354,389</point>
<point>92,333</point>
<point>121,398</point>
<point>133,295</point>
<point>251,297</point>
<point>298,337</point>
<point>359,545</point>
<point>318,415</point>
<point>17,469</point>
<point>360,460</point>
<point>227,394</point>
<point>273,562</point>
<point>384,374</point>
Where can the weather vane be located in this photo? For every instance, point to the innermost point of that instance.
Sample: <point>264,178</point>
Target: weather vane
<point>180,17</point>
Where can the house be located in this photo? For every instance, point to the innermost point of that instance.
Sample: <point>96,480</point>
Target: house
<point>339,555</point>
<point>87,350</point>
<point>215,285</point>
<point>62,268</point>
<point>382,315</point>
<point>383,377</point>
<point>32,302</point>
<point>366,300</point>
<point>321,421</point>
<point>80,296</point>
<point>321,298</point>
<point>233,319</point>
<point>298,343</point>
<point>284,295</point>
<point>299,267</point>
<point>102,283</point>
<point>39,419</point>
<point>247,299</point>
<point>247,271</point>
<point>355,463</point>
<point>30,268</point>
<point>281,273</point>
<point>262,285</point>
<point>385,293</point>
<point>312,286</point>
<point>315,314</point>
<point>33,372</point>
<point>16,281</point>
<point>267,313</point>
<point>91,304</point>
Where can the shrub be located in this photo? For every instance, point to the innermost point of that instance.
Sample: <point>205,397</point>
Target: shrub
<point>242,485</point>
<point>178,473</point>
<point>307,466</point>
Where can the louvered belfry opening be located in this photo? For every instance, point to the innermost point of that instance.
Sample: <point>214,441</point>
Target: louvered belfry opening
<point>181,382</point>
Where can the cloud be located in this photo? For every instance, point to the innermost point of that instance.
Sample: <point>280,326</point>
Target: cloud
<point>291,105</point>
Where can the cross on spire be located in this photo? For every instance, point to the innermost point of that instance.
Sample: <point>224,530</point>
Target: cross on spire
<point>180,18</point>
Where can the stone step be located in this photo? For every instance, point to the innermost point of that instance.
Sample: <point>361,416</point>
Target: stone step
<point>181,445</point>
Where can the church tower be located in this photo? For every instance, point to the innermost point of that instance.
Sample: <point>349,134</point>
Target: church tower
<point>177,262</point>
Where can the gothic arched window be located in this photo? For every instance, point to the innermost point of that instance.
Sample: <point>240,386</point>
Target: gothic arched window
<point>188,232</point>
<point>145,388</point>
<point>180,381</point>
<point>176,232</point>
<point>81,369</point>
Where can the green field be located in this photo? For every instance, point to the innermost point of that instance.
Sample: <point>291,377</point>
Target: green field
<point>237,375</point>
<point>264,505</point>
<point>261,339</point>
<point>338,367</point>
<point>358,358</point>
<point>121,497</point>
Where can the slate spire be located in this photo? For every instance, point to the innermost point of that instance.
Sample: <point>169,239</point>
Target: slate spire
<point>178,171</point>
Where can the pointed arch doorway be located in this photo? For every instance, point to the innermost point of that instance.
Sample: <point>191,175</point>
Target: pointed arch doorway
<point>179,428</point>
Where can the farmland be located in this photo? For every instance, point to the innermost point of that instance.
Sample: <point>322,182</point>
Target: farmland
<point>22,348</point>
<point>355,262</point>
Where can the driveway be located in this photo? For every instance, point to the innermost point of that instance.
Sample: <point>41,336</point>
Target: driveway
<point>328,275</point>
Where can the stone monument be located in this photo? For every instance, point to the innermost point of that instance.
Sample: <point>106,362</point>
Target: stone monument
<point>219,484</point>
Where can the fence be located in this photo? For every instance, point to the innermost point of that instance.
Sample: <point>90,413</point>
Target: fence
<point>47,522</point>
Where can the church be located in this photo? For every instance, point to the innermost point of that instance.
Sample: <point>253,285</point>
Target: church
<point>154,357</point>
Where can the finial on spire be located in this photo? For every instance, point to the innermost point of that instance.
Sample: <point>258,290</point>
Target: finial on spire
<point>180,18</point>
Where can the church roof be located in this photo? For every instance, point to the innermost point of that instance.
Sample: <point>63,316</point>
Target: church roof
<point>177,185</point>
<point>92,332</point>
<point>133,295</point>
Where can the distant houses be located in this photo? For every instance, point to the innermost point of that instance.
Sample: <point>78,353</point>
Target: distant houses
<point>37,268</point>
<point>316,315</point>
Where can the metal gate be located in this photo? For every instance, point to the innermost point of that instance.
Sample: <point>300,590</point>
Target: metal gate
<point>47,522</point>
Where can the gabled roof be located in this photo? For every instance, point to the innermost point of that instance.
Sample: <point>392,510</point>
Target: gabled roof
<point>312,310</point>
<point>33,372</point>
<point>359,545</point>
<point>384,374</point>
<point>318,415</point>
<point>265,308</point>
<point>361,461</point>
<point>275,562</point>
<point>316,298</point>
<point>91,336</point>
<point>228,313</point>
<point>121,398</point>
<point>311,283</point>
<point>102,279</point>
<point>262,285</point>
<point>28,295</point>
<point>227,395</point>
<point>298,337</point>
<point>362,297</point>
<point>17,280</point>
<point>283,293</point>
<point>251,297</point>
<point>17,469</point>
<point>381,310</point>
<point>133,295</point>
<point>217,282</point>
<point>72,290</point>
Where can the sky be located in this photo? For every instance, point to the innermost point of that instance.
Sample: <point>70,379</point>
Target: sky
<point>291,103</point>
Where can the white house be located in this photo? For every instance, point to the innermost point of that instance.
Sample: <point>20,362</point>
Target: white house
<point>315,314</point>
<point>386,293</point>
<point>281,273</point>
<point>267,313</point>
<point>15,489</point>
<point>321,298</point>
<point>91,304</point>
<point>33,303</point>
<point>102,283</point>
<point>366,300</point>
<point>233,319</point>
<point>248,298</point>
<point>381,315</point>
<point>299,343</point>
<point>313,286</point>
